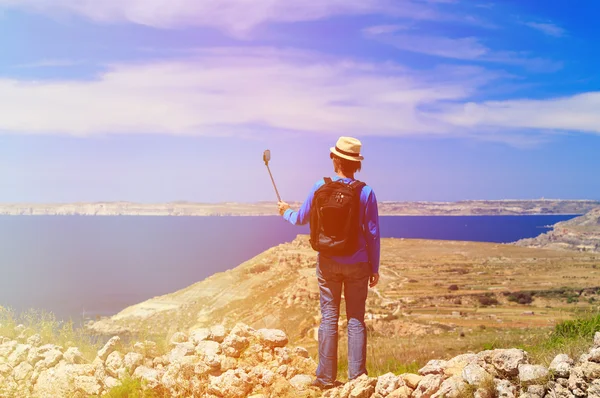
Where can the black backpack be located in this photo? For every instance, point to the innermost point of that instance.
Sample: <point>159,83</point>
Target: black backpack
<point>334,218</point>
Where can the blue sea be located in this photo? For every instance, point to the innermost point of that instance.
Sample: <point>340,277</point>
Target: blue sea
<point>79,267</point>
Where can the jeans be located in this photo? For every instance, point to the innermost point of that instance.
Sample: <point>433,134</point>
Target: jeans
<point>354,279</point>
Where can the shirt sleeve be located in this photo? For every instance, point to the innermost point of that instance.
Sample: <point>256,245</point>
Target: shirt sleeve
<point>372,232</point>
<point>302,216</point>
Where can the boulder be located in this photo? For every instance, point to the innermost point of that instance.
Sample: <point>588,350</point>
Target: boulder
<point>474,374</point>
<point>180,351</point>
<point>428,386</point>
<point>561,366</point>
<point>272,337</point>
<point>110,346</point>
<point>433,367</point>
<point>533,374</point>
<point>35,340</point>
<point>234,344</point>
<point>218,333</point>
<point>301,382</point>
<point>132,360</point>
<point>231,384</point>
<point>411,380</point>
<point>453,387</point>
<point>150,377</point>
<point>114,364</point>
<point>199,335</point>
<point>362,387</point>
<point>177,338</point>
<point>19,354</point>
<point>507,361</point>
<point>388,383</point>
<point>73,356</point>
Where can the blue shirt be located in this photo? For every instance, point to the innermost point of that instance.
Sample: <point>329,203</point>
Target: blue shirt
<point>368,243</point>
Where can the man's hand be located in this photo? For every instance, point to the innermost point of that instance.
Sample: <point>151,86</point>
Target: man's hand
<point>282,207</point>
<point>373,280</point>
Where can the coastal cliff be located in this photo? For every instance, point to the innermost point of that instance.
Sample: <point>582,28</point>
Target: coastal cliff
<point>578,234</point>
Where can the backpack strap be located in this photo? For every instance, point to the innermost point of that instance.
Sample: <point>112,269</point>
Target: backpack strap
<point>327,180</point>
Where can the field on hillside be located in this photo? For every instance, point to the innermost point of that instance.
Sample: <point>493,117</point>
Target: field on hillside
<point>435,299</point>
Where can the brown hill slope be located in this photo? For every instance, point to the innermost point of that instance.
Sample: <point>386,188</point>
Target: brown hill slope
<point>427,287</point>
<point>580,234</point>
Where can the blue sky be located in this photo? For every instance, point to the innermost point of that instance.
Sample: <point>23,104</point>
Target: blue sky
<point>155,100</point>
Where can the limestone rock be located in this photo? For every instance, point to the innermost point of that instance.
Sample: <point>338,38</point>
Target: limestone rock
<point>180,351</point>
<point>73,356</point>
<point>411,380</point>
<point>149,376</point>
<point>533,374</point>
<point>387,383</point>
<point>362,387</point>
<point>233,345</point>
<point>110,346</point>
<point>272,337</point>
<point>475,374</point>
<point>507,361</point>
<point>594,355</point>
<point>428,386</point>
<point>593,390</point>
<point>504,389</point>
<point>19,354</point>
<point>199,335</point>
<point>401,392</point>
<point>301,382</point>
<point>148,349</point>
<point>456,365</point>
<point>561,366</point>
<point>231,384</point>
<point>7,348</point>
<point>301,351</point>
<point>35,340</point>
<point>208,348</point>
<point>132,360</point>
<point>22,371</point>
<point>177,338</point>
<point>433,367</point>
<point>454,387</point>
<point>114,364</point>
<point>218,333</point>
<point>590,370</point>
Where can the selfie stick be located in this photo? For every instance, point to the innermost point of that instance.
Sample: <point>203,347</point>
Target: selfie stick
<point>266,158</point>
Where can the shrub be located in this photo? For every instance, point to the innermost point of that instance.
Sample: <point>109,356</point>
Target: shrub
<point>453,287</point>
<point>487,299</point>
<point>521,297</point>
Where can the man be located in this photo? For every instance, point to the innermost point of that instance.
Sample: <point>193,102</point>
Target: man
<point>353,272</point>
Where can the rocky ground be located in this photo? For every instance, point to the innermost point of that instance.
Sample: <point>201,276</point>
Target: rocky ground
<point>244,362</point>
<point>578,234</point>
<point>209,362</point>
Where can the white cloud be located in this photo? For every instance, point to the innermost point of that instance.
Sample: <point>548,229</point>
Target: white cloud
<point>547,28</point>
<point>572,113</point>
<point>235,16</point>
<point>221,91</point>
<point>465,48</point>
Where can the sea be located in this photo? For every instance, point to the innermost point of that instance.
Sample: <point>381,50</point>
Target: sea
<point>83,267</point>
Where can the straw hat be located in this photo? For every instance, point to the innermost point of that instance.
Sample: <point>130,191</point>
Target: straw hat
<point>348,148</point>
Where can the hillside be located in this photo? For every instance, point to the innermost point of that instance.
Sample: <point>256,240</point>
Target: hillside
<point>472,207</point>
<point>579,234</point>
<point>426,288</point>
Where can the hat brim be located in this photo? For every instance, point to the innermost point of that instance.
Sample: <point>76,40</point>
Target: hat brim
<point>341,155</point>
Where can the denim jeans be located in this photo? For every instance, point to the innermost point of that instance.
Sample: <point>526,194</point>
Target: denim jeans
<point>354,279</point>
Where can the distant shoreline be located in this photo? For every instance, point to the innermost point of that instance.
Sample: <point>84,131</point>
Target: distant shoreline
<point>463,208</point>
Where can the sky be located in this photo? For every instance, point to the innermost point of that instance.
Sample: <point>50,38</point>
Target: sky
<point>176,100</point>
